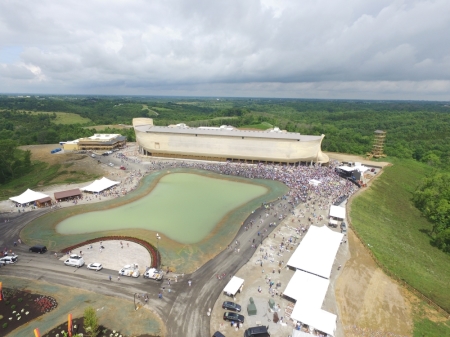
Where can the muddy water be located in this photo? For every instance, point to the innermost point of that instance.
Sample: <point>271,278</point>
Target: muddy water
<point>183,206</point>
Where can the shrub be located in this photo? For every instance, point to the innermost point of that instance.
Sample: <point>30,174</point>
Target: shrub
<point>5,325</point>
<point>20,300</point>
<point>13,306</point>
<point>90,322</point>
<point>6,302</point>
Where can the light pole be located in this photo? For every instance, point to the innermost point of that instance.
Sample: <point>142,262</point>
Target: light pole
<point>157,248</point>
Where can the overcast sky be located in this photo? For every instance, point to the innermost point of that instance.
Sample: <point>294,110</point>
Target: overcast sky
<point>368,49</point>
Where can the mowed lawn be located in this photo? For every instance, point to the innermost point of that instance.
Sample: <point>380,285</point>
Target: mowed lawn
<point>66,117</point>
<point>395,232</point>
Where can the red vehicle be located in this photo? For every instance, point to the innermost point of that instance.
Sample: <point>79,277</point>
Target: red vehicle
<point>123,168</point>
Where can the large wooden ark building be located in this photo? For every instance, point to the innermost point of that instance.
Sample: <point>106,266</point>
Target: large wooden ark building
<point>227,143</point>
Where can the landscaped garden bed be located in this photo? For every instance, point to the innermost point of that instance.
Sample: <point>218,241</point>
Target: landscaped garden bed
<point>78,328</point>
<point>20,307</point>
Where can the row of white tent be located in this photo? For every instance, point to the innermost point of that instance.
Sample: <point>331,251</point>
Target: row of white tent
<point>97,186</point>
<point>313,260</point>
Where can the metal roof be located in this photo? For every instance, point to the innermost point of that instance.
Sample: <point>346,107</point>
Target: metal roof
<point>68,193</point>
<point>228,133</point>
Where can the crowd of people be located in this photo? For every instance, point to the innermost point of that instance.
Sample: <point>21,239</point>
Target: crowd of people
<point>321,181</point>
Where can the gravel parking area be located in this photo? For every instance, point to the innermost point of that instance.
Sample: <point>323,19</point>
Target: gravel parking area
<point>113,256</point>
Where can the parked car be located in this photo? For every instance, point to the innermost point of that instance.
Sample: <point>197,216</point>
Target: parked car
<point>231,306</point>
<point>9,259</point>
<point>111,164</point>
<point>218,334</point>
<point>232,316</point>
<point>343,227</point>
<point>74,260</point>
<point>38,249</point>
<point>93,155</point>
<point>123,168</point>
<point>129,270</point>
<point>257,331</point>
<point>153,274</point>
<point>95,266</point>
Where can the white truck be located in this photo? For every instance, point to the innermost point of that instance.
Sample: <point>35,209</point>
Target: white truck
<point>153,274</point>
<point>74,260</point>
<point>130,270</point>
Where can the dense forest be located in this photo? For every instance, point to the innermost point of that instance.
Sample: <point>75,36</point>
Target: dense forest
<point>415,130</point>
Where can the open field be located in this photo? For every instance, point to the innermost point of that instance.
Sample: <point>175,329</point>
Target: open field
<point>111,126</point>
<point>394,231</point>
<point>260,126</point>
<point>49,169</point>
<point>65,117</point>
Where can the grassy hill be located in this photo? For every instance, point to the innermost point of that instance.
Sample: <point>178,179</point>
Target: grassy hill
<point>395,232</point>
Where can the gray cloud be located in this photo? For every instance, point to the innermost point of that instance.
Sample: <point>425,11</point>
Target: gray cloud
<point>280,48</point>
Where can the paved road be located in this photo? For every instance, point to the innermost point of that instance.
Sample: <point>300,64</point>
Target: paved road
<point>183,310</point>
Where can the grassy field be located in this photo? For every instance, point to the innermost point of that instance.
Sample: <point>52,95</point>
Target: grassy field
<point>260,126</point>
<point>111,126</point>
<point>66,117</point>
<point>44,174</point>
<point>395,232</point>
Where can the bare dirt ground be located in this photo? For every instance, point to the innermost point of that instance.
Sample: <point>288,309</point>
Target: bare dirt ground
<point>80,162</point>
<point>370,303</point>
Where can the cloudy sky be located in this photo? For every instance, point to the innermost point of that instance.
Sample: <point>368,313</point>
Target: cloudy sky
<point>368,49</point>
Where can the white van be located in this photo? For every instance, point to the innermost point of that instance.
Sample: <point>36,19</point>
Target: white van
<point>9,259</point>
<point>74,260</point>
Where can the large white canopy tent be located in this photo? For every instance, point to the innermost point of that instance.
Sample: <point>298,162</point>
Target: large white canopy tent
<point>100,185</point>
<point>316,318</point>
<point>337,212</point>
<point>28,196</point>
<point>307,288</point>
<point>233,286</point>
<point>317,251</point>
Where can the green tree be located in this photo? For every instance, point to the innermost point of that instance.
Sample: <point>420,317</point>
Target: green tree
<point>90,322</point>
<point>432,198</point>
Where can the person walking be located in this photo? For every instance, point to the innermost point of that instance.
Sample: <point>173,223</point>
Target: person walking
<point>110,278</point>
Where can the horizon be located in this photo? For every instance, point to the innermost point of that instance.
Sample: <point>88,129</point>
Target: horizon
<point>259,48</point>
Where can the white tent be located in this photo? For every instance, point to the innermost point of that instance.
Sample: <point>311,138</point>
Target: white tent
<point>28,196</point>
<point>307,288</point>
<point>234,286</point>
<point>317,251</point>
<point>100,185</point>
<point>316,318</point>
<point>337,212</point>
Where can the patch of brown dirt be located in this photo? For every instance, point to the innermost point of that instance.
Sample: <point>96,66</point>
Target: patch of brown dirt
<point>370,302</point>
<point>69,161</point>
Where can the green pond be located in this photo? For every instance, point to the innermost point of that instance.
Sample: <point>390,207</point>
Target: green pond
<point>183,206</point>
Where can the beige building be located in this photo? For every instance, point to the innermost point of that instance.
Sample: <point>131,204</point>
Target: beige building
<point>226,143</point>
<point>99,141</point>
